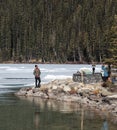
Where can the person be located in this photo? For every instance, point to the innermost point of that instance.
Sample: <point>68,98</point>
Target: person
<point>37,73</point>
<point>104,72</point>
<point>93,68</point>
<point>109,70</point>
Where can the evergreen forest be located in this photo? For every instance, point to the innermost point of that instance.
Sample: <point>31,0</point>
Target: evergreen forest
<point>58,31</point>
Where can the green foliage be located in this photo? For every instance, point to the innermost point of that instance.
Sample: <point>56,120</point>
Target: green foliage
<point>112,44</point>
<point>58,30</point>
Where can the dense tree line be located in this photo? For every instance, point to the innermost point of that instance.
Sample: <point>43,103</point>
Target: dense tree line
<point>58,30</point>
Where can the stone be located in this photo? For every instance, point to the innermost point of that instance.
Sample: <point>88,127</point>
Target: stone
<point>91,95</point>
<point>29,93</point>
<point>66,89</point>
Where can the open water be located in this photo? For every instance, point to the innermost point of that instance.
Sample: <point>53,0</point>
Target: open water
<point>27,113</point>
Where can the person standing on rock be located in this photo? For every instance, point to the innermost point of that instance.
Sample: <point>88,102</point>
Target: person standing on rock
<point>109,70</point>
<point>93,68</point>
<point>105,72</point>
<point>37,73</point>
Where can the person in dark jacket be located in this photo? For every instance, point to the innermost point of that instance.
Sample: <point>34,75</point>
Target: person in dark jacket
<point>93,68</point>
<point>109,70</point>
<point>37,73</point>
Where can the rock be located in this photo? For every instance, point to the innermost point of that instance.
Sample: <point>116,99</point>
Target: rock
<point>112,97</point>
<point>35,90</point>
<point>21,93</point>
<point>66,88</point>
<point>54,87</point>
<point>91,95</point>
<point>29,93</point>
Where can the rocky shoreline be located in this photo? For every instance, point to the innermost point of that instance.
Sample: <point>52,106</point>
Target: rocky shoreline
<point>93,96</point>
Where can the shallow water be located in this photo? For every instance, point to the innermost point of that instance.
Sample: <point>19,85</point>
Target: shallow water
<point>27,113</point>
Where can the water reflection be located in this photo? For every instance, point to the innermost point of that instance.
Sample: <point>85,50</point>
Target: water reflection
<point>104,125</point>
<point>82,119</point>
<point>52,114</point>
<point>36,119</point>
<point>63,107</point>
